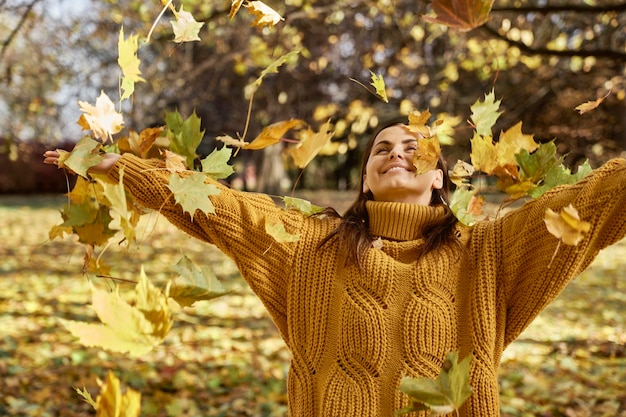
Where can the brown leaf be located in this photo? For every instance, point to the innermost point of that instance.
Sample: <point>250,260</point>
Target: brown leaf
<point>461,14</point>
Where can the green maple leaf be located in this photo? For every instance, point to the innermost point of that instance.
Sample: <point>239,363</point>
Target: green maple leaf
<point>184,135</point>
<point>194,284</point>
<point>442,395</point>
<point>216,164</point>
<point>84,155</point>
<point>303,206</point>
<point>278,232</point>
<point>192,192</point>
<point>485,114</point>
<point>273,67</point>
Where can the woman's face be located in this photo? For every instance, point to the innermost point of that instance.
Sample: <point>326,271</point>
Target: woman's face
<point>389,171</point>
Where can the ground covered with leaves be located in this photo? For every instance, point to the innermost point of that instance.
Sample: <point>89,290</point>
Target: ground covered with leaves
<point>225,358</point>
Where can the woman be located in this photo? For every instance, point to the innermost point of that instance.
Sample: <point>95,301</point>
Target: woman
<point>389,289</point>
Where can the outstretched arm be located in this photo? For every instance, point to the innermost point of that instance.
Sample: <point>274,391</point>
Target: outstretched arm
<point>52,158</point>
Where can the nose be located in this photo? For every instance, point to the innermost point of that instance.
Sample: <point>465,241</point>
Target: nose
<point>396,153</point>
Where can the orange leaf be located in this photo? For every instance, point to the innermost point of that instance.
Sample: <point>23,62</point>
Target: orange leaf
<point>590,105</point>
<point>310,145</point>
<point>461,14</point>
<point>272,134</point>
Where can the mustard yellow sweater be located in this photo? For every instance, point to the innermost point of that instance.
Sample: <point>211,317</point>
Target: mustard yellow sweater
<point>355,333</point>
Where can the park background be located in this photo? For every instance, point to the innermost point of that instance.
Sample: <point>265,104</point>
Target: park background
<point>224,358</point>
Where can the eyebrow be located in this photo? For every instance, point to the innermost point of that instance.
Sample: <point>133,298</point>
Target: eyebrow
<point>388,142</point>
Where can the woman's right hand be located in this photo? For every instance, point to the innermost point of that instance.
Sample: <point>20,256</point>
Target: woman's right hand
<point>52,158</point>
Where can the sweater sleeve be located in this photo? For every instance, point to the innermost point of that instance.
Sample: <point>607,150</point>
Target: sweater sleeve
<point>532,278</point>
<point>237,227</point>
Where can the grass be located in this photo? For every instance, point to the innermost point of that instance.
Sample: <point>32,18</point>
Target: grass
<point>225,358</point>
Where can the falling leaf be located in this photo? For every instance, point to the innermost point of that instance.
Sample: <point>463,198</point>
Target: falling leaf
<point>185,135</point>
<point>126,328</point>
<point>303,206</point>
<point>116,195</point>
<point>216,164</point>
<point>142,143</point>
<point>185,27</point>
<point>511,142</point>
<point>590,105</point>
<point>273,133</point>
<point>379,84</point>
<point>84,155</point>
<point>192,192</point>
<point>418,123</point>
<point>278,232</point>
<point>566,225</point>
<point>265,15</point>
<point>461,14</point>
<point>460,205</point>
<point>461,173</point>
<point>445,394</point>
<point>485,114</point>
<point>230,141</point>
<point>234,8</point>
<point>129,63</point>
<point>86,396</point>
<point>310,145</point>
<point>273,67</point>
<point>111,402</point>
<point>426,155</point>
<point>173,161</point>
<point>102,118</point>
<point>193,284</point>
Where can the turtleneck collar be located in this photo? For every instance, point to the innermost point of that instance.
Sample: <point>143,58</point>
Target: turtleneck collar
<point>400,221</point>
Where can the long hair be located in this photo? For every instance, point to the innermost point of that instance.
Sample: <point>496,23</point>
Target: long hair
<point>353,230</point>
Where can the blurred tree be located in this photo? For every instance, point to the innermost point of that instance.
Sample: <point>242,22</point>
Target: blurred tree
<point>542,59</point>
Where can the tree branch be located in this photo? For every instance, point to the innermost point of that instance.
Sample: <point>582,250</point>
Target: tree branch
<point>16,29</point>
<point>563,8</point>
<point>597,53</point>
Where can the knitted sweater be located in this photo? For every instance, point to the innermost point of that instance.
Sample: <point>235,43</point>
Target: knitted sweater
<point>354,333</point>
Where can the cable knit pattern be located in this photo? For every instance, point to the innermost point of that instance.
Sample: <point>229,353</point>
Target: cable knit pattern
<point>355,333</point>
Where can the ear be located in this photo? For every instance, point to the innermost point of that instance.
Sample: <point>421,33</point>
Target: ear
<point>437,179</point>
<point>366,187</point>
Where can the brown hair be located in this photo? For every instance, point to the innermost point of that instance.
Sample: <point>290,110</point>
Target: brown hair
<point>353,230</point>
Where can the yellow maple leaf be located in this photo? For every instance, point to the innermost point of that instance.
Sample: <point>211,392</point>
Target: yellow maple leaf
<point>426,156</point>
<point>129,63</point>
<point>186,28</point>
<point>511,142</point>
<point>273,134</point>
<point>417,123</point>
<point>483,155</point>
<point>265,15</point>
<point>102,118</point>
<point>112,402</point>
<point>566,225</point>
<point>234,8</point>
<point>310,145</point>
<point>379,84</point>
<point>126,328</point>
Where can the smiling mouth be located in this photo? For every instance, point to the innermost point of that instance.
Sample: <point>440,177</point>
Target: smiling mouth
<point>397,168</point>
